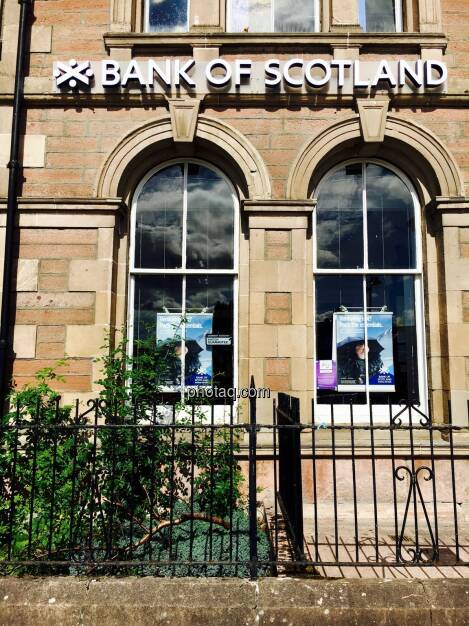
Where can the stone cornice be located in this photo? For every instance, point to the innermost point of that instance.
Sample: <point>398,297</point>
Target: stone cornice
<point>248,41</point>
<point>262,207</point>
<point>450,205</point>
<point>68,205</point>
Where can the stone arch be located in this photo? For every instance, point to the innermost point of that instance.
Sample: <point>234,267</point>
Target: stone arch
<point>215,141</point>
<point>427,161</point>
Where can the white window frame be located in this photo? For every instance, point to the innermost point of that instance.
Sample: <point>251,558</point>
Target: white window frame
<point>146,20</point>
<point>398,14</point>
<point>221,412</point>
<point>316,18</point>
<point>362,411</point>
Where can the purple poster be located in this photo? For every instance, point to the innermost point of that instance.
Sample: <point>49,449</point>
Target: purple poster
<point>326,375</point>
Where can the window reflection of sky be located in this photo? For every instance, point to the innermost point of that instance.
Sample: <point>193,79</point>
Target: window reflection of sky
<point>290,16</point>
<point>390,220</point>
<point>210,220</point>
<point>377,15</point>
<point>167,15</point>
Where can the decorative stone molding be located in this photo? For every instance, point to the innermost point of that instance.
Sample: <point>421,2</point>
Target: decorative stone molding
<point>290,214</point>
<point>399,42</point>
<point>451,205</point>
<point>345,16</point>
<point>121,16</point>
<point>184,114</point>
<point>429,16</point>
<point>151,135</point>
<point>432,159</point>
<point>373,115</point>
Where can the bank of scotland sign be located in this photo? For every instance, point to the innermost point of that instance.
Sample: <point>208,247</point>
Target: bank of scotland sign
<point>243,76</point>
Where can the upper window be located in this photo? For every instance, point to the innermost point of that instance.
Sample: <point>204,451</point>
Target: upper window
<point>278,16</point>
<point>380,16</point>
<point>166,16</point>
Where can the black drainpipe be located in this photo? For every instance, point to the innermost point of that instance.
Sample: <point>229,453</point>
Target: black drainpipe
<point>12,203</point>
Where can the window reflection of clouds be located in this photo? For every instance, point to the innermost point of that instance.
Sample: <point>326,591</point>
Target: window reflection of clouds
<point>340,220</point>
<point>158,241</point>
<point>207,292</point>
<point>290,16</point>
<point>210,220</point>
<point>391,228</point>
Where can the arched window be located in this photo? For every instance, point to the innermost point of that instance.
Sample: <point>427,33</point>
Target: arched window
<point>369,330</point>
<point>183,262</point>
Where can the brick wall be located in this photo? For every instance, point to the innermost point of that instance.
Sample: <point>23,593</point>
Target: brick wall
<point>46,306</point>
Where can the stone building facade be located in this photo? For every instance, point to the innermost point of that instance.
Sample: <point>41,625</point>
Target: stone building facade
<point>89,151</point>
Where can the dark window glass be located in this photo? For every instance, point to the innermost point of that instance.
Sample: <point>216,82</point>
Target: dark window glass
<point>167,15</point>
<point>210,219</point>
<point>339,220</point>
<point>213,295</point>
<point>378,16</point>
<point>154,296</point>
<point>393,294</point>
<point>334,294</point>
<point>397,294</point>
<point>390,220</point>
<point>158,230</point>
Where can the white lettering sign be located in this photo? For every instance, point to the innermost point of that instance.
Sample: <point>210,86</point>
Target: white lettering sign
<point>296,75</point>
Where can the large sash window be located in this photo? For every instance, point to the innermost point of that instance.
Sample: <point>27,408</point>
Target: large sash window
<point>183,273</point>
<point>368,291</point>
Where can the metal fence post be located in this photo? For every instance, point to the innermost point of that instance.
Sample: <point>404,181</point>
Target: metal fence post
<point>252,483</point>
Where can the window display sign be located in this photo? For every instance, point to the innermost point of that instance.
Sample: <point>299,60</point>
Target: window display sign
<point>198,368</point>
<point>326,375</point>
<point>351,355</point>
<point>198,360</point>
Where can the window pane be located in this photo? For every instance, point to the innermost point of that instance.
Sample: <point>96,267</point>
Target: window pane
<point>211,295</point>
<point>390,218</point>
<point>335,294</point>
<point>339,220</point>
<point>397,294</point>
<point>294,16</point>
<point>210,220</point>
<point>167,15</point>
<point>378,16</point>
<point>252,16</point>
<point>158,313</point>
<point>158,236</point>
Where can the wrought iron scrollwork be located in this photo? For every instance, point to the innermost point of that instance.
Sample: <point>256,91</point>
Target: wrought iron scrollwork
<point>418,553</point>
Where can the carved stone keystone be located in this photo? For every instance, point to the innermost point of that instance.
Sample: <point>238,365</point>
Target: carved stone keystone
<point>373,114</point>
<point>184,118</point>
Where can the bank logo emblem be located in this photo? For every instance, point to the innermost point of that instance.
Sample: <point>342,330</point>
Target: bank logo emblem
<point>72,73</point>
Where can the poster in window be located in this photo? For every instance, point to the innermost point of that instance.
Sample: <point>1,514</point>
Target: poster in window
<point>350,352</point>
<point>168,337</point>
<point>198,361</point>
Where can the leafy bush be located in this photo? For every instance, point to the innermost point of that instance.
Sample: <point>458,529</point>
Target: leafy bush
<point>103,485</point>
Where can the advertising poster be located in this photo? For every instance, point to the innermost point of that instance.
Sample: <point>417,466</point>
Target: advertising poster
<point>168,337</point>
<point>198,361</point>
<point>170,329</point>
<point>326,375</point>
<point>350,353</point>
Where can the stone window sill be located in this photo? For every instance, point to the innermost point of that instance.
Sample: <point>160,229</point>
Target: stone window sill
<point>405,42</point>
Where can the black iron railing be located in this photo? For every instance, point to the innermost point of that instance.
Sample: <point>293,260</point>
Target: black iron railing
<point>189,491</point>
